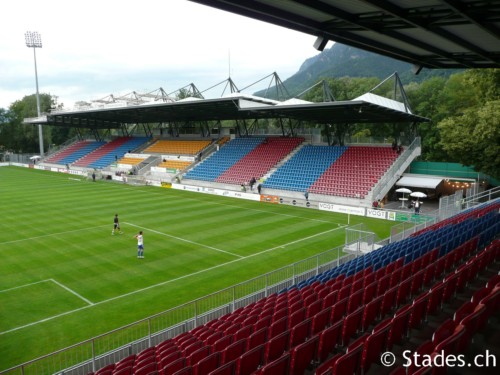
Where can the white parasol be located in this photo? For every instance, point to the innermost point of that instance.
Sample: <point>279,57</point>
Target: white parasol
<point>404,191</point>
<point>418,194</point>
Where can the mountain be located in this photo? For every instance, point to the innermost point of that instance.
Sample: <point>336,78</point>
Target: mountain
<point>345,61</point>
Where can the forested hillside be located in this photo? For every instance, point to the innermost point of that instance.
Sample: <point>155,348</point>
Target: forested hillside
<point>344,61</point>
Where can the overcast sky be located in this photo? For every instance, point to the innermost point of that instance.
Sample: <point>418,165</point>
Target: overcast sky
<point>95,48</point>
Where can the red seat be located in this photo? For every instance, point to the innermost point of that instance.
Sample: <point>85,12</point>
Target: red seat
<point>470,322</point>
<point>328,340</point>
<point>300,333</point>
<point>355,301</point>
<point>403,293</point>
<point>257,338</point>
<point>435,298</point>
<point>243,333</point>
<point>313,308</point>
<point>492,304</point>
<point>388,301</point>
<point>417,314</point>
<point>443,331</point>
<point>212,338</point>
<point>417,282</point>
<point>371,312</point>
<point>369,292</point>
<point>352,324</point>
<point>207,364</point>
<point>192,348</point>
<point>262,322</point>
<point>184,371</point>
<point>126,370</point>
<point>226,369</point>
<point>197,355</point>
<point>320,320</point>
<point>374,345</point>
<point>250,361</point>
<point>173,367</point>
<point>277,327</point>
<point>233,351</point>
<point>349,363</point>
<point>144,361</point>
<point>146,369</point>
<point>222,343</point>
<point>339,310</point>
<point>330,298</point>
<point>168,359</point>
<point>303,355</point>
<point>276,346</point>
<point>383,284</point>
<point>399,325</point>
<point>448,346</point>
<point>279,366</point>
<point>296,317</point>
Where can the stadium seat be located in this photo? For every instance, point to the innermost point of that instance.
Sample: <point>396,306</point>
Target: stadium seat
<point>250,361</point>
<point>206,364</point>
<point>279,366</point>
<point>302,356</point>
<point>276,346</point>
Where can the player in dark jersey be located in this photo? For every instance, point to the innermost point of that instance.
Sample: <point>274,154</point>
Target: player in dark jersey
<point>116,225</point>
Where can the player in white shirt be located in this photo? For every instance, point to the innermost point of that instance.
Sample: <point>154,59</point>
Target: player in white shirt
<point>140,245</point>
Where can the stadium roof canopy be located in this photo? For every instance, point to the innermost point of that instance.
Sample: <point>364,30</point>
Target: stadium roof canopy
<point>427,33</point>
<point>368,108</point>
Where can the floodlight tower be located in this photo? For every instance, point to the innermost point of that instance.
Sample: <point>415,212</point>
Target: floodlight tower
<point>34,40</point>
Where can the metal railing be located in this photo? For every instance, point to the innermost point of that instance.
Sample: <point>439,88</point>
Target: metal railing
<point>392,172</point>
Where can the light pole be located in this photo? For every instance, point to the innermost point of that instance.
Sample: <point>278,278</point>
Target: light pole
<point>34,40</point>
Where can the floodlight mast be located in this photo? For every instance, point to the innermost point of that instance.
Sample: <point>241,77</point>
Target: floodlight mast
<point>34,40</point>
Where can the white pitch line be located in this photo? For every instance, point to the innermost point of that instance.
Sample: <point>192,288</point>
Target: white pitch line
<point>25,285</point>
<point>72,292</point>
<point>184,240</point>
<point>164,283</point>
<point>53,234</point>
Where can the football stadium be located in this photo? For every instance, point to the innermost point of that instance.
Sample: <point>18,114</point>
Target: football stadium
<point>171,243</point>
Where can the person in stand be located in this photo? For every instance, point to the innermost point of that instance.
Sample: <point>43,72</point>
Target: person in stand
<point>140,245</point>
<point>252,183</point>
<point>259,188</point>
<point>116,225</point>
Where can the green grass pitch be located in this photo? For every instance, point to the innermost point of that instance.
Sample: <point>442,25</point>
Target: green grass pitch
<point>65,279</point>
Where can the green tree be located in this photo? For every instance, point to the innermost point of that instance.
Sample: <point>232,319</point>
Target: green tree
<point>473,138</point>
<point>23,138</point>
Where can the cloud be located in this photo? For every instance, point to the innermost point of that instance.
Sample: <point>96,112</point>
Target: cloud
<point>95,47</point>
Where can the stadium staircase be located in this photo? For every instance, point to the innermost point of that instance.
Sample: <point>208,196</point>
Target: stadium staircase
<point>436,291</point>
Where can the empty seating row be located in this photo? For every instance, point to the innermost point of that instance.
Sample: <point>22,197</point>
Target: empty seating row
<point>178,147</point>
<point>220,161</point>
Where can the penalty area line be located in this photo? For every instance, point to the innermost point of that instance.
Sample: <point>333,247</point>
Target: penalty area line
<point>53,281</point>
<point>167,281</point>
<point>72,292</point>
